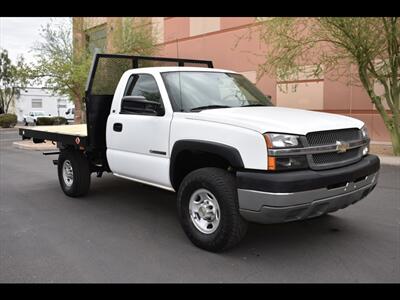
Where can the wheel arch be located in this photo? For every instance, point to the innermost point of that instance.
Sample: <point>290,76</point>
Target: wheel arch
<point>181,149</point>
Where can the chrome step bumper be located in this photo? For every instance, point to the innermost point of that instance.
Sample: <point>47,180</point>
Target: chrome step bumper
<point>269,208</point>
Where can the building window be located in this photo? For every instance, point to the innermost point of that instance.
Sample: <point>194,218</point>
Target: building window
<point>96,39</point>
<point>37,103</point>
<point>62,103</point>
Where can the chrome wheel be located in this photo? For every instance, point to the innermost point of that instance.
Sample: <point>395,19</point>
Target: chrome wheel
<point>68,173</point>
<point>204,211</point>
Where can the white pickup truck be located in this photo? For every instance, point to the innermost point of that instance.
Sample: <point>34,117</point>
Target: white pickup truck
<point>213,138</point>
<point>32,116</point>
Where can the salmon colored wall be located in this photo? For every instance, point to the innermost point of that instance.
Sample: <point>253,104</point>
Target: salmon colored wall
<point>228,22</point>
<point>176,28</point>
<point>218,46</point>
<point>375,125</point>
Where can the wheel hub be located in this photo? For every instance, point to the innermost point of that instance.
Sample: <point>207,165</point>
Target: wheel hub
<point>68,173</point>
<point>204,211</point>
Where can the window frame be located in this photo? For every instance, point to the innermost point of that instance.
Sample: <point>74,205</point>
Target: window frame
<point>37,99</point>
<point>127,86</point>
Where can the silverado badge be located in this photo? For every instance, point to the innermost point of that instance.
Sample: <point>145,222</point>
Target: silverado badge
<point>341,146</point>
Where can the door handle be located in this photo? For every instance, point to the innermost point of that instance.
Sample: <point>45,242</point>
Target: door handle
<point>117,127</point>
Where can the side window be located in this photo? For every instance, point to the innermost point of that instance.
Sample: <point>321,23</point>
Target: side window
<point>143,85</point>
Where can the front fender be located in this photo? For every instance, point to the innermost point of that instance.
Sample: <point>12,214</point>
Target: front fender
<point>227,152</point>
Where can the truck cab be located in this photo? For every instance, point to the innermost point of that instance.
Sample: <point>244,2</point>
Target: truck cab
<point>213,138</point>
<point>70,114</point>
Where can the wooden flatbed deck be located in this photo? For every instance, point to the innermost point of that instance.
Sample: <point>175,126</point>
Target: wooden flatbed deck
<point>75,130</point>
<point>66,134</point>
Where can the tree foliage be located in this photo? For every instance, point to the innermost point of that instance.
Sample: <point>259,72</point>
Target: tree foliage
<point>64,69</point>
<point>134,36</point>
<point>57,67</point>
<point>13,78</point>
<point>333,44</point>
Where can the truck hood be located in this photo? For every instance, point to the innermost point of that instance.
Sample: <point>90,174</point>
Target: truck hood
<point>277,119</point>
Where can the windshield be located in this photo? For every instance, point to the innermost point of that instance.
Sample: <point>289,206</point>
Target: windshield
<point>196,90</point>
<point>39,113</point>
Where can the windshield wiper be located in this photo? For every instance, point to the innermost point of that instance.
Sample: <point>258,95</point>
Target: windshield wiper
<point>253,105</point>
<point>209,107</point>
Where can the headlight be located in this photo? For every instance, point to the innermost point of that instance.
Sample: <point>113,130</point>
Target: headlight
<point>287,163</point>
<point>364,132</point>
<point>280,140</point>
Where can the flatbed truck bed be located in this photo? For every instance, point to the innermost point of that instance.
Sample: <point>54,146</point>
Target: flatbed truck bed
<point>66,134</point>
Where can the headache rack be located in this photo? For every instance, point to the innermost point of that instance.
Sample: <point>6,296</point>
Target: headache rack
<point>103,78</point>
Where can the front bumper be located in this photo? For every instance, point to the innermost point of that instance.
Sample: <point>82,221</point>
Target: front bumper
<point>268,198</point>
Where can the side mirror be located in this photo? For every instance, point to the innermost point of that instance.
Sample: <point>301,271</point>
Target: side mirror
<point>269,97</point>
<point>140,105</point>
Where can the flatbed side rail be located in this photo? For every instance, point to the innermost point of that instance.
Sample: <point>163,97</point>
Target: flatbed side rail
<point>65,139</point>
<point>136,60</point>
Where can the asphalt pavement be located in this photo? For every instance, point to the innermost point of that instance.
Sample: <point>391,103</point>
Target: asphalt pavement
<point>128,232</point>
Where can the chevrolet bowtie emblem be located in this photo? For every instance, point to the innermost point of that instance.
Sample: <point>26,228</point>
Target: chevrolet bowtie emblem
<point>341,147</point>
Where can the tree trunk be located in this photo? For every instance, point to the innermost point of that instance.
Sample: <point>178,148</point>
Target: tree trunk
<point>78,110</point>
<point>8,102</point>
<point>395,136</point>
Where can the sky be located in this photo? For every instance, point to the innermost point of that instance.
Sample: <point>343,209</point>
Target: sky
<point>18,35</point>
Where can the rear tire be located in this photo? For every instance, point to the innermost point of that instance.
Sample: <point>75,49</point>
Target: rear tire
<point>73,173</point>
<point>219,188</point>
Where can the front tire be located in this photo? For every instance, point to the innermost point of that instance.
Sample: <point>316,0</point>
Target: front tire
<point>209,211</point>
<point>73,173</point>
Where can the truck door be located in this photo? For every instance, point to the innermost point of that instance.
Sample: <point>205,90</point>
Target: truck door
<point>137,141</point>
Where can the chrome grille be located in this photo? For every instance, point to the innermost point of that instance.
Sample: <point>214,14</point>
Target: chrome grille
<point>330,137</point>
<point>333,159</point>
<point>326,158</point>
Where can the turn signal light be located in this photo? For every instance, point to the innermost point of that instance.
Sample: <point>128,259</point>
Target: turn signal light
<point>271,163</point>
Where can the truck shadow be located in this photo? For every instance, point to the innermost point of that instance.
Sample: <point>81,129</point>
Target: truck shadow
<point>155,209</point>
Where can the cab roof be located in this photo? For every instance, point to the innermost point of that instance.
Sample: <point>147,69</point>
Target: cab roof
<point>178,69</point>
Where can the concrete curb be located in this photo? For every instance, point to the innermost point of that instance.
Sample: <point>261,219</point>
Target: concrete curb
<point>29,145</point>
<point>389,160</point>
<point>9,129</point>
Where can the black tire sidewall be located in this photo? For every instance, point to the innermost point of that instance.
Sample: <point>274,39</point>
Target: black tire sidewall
<point>225,193</point>
<point>81,174</point>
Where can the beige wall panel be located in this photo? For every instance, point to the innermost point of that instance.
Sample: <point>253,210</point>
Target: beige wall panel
<point>309,95</point>
<point>305,73</point>
<point>201,25</point>
<point>90,22</point>
<point>250,75</point>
